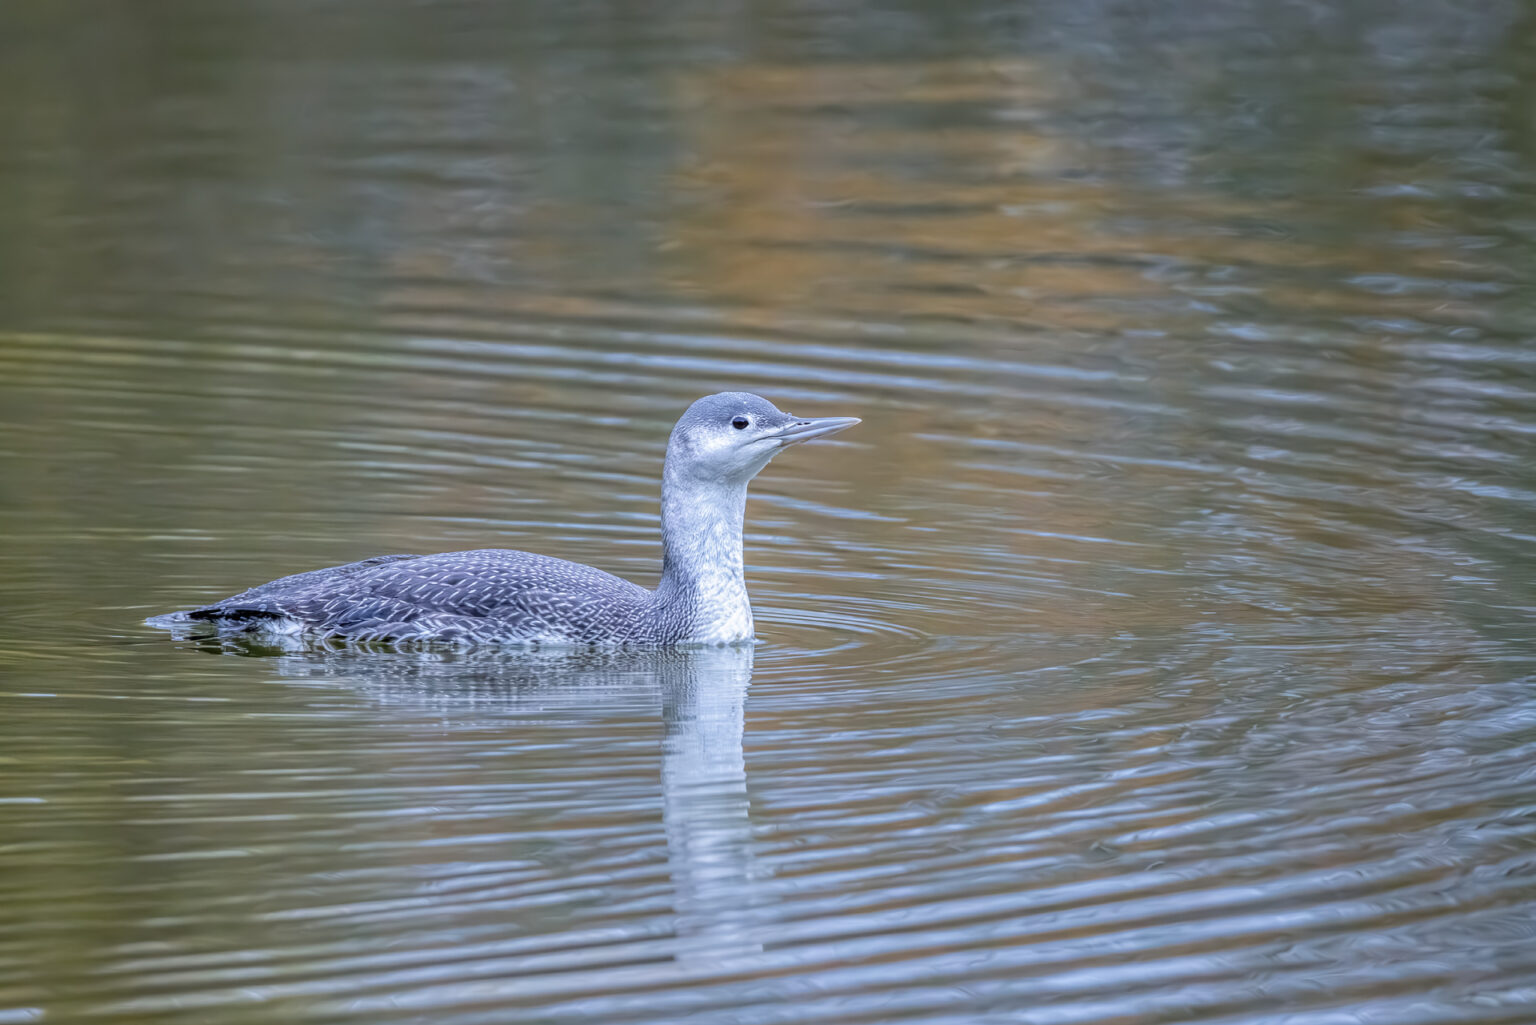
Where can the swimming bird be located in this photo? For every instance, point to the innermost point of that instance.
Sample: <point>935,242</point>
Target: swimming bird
<point>501,596</point>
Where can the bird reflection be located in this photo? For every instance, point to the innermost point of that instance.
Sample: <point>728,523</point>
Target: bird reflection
<point>704,804</point>
<point>701,695</point>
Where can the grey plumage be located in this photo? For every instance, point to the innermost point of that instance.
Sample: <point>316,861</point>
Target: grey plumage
<point>501,596</point>
<point>476,596</point>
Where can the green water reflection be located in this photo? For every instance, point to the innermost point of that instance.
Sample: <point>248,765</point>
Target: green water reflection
<point>1159,650</point>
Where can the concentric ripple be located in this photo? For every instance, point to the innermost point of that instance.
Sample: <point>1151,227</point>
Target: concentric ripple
<point>1158,650</point>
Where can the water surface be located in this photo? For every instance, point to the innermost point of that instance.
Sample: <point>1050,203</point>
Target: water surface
<point>1160,648</point>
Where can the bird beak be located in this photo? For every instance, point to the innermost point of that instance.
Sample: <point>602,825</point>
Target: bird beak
<point>805,430</point>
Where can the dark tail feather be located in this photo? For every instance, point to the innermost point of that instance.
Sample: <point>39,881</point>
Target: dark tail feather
<point>232,612</point>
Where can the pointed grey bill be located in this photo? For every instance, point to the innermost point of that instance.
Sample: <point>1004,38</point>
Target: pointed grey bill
<point>805,430</point>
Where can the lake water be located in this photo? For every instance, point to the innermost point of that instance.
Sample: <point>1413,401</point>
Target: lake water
<point>1160,649</point>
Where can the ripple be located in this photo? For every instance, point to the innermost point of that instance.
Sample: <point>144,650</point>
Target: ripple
<point>1159,649</point>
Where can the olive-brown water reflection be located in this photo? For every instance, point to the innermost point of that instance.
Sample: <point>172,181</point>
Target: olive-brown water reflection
<point>1158,650</point>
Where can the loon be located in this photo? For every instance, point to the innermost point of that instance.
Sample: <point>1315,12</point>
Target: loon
<point>501,596</point>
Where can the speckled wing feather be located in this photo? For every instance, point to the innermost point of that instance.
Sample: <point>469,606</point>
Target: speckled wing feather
<point>490,594</point>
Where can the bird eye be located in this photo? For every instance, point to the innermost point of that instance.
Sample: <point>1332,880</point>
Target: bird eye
<point>740,422</point>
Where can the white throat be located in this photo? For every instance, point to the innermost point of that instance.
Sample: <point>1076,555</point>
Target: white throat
<point>702,576</point>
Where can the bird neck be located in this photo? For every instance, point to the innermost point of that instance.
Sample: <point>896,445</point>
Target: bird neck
<point>702,582</point>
